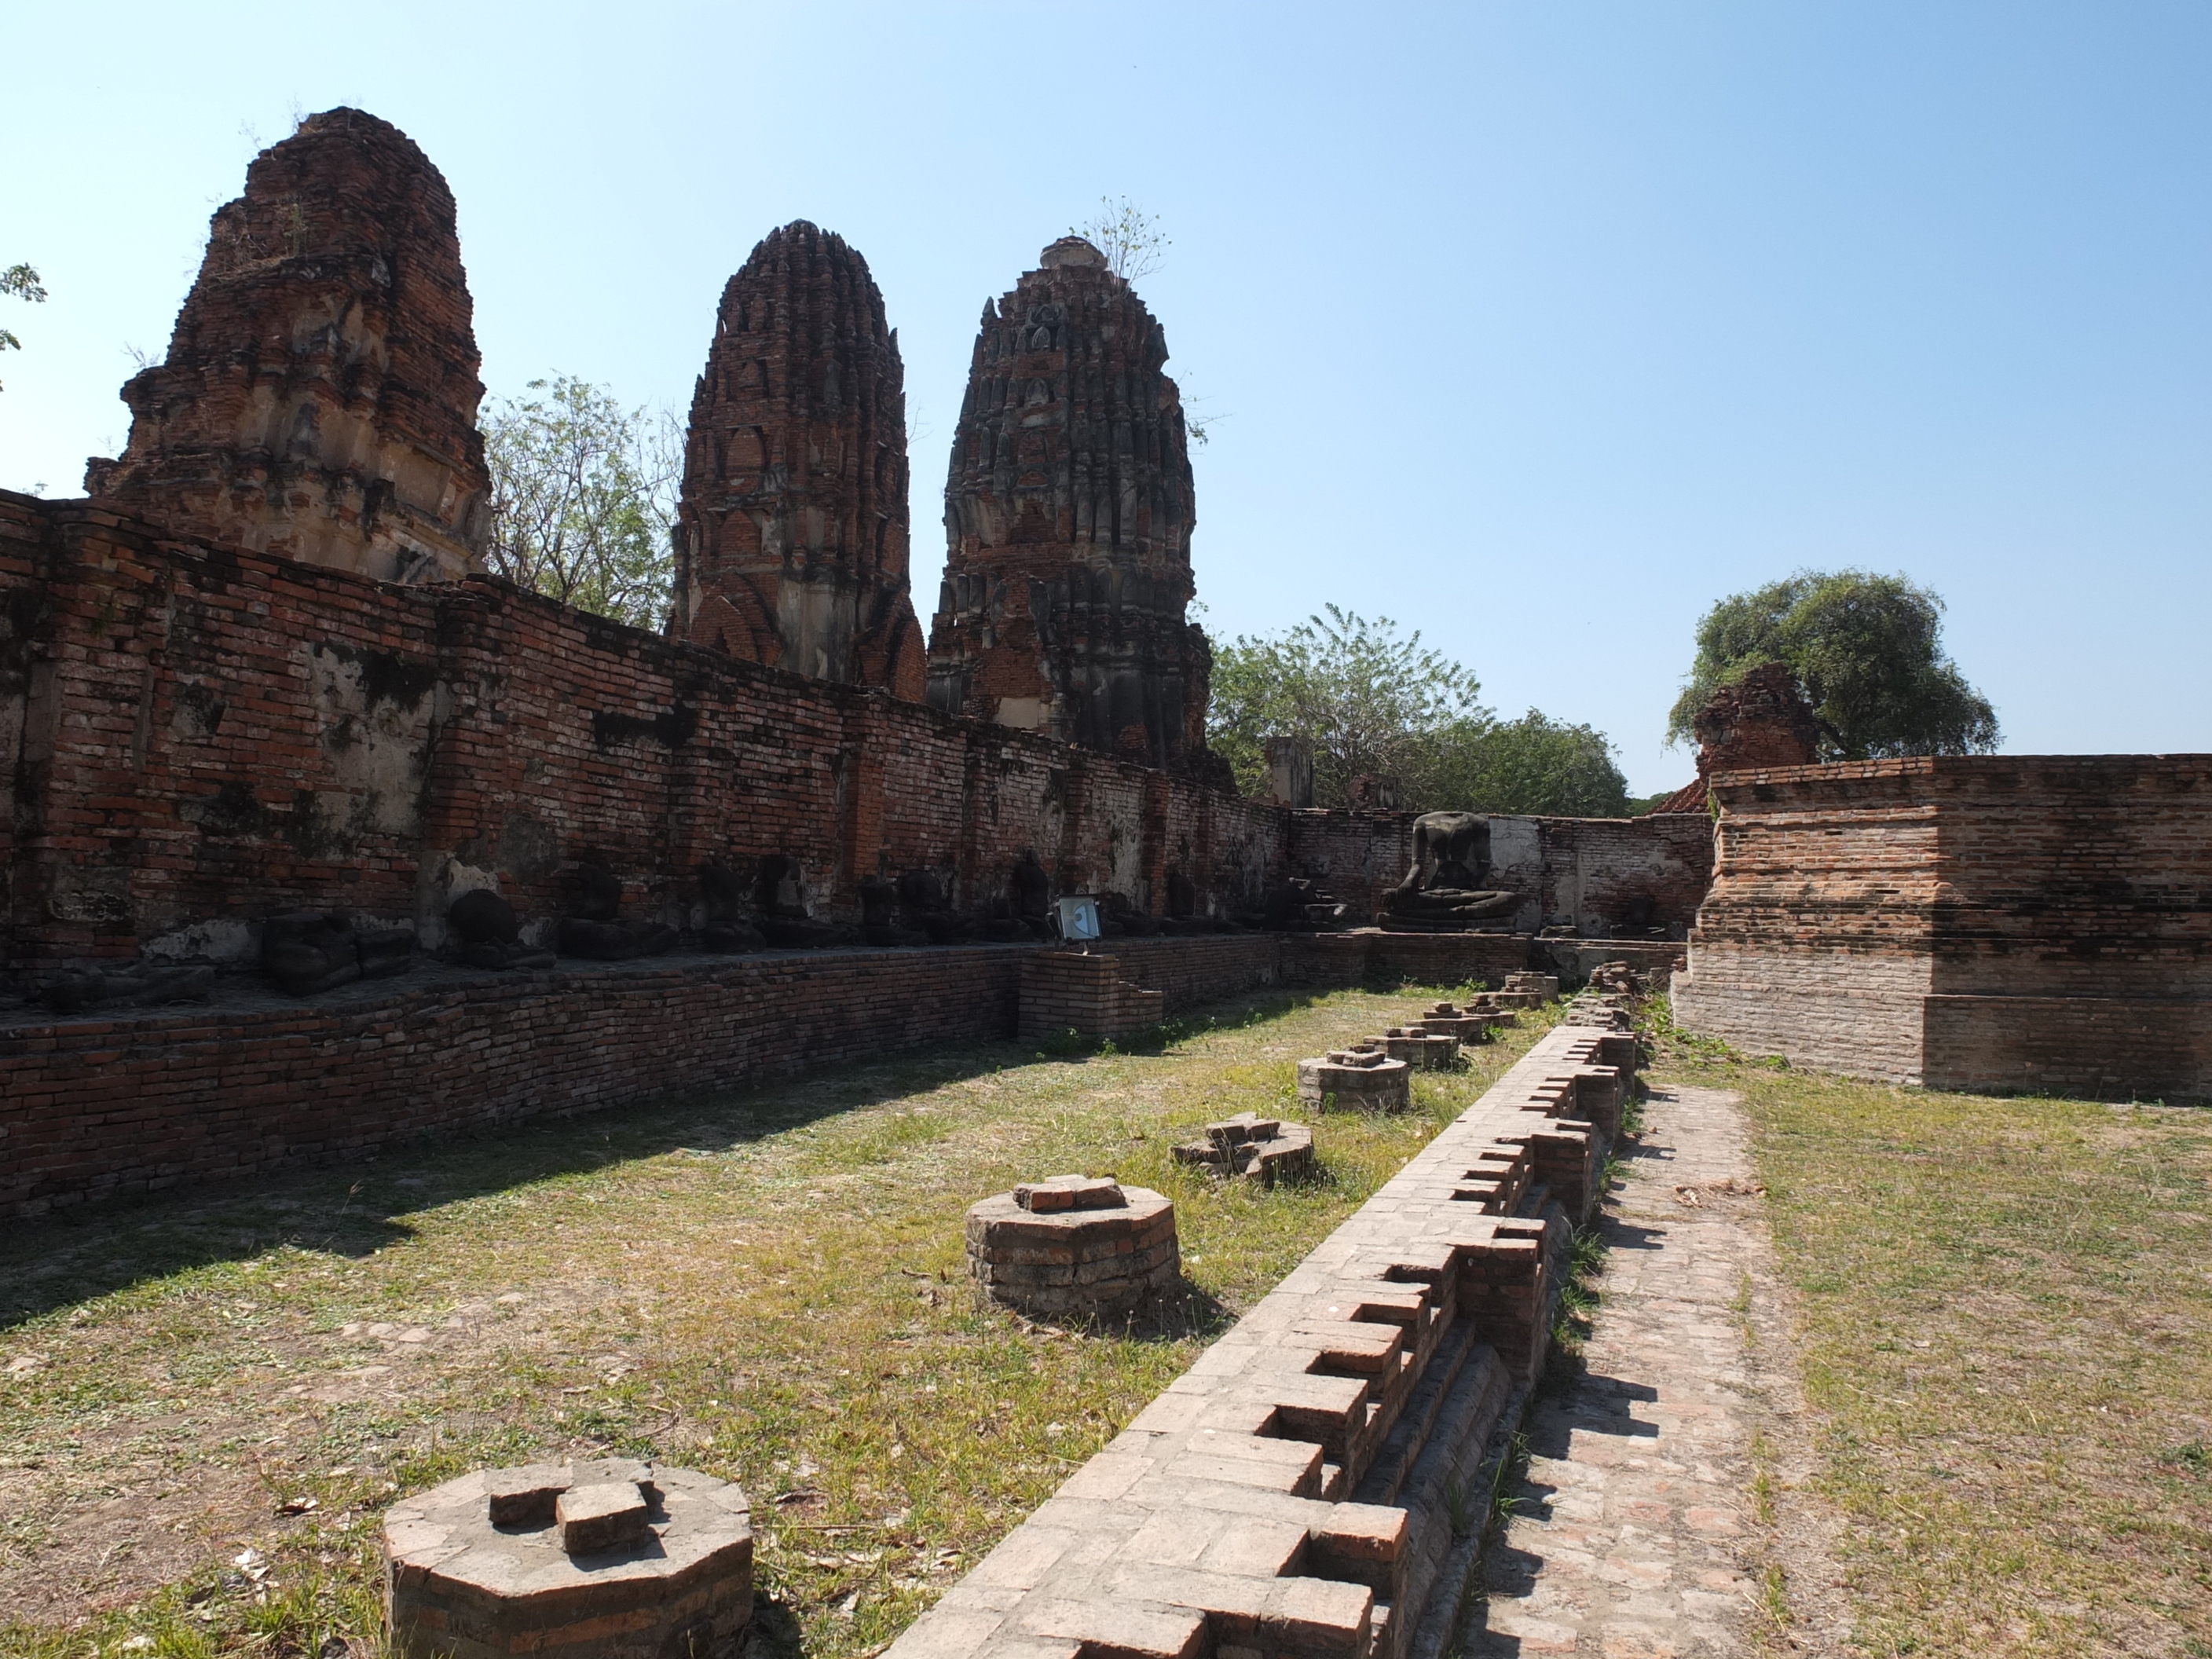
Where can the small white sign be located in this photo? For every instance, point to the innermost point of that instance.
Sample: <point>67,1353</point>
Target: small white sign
<point>1078,919</point>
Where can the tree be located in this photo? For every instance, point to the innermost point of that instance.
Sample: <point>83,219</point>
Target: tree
<point>1369,700</point>
<point>1365,699</point>
<point>1534,764</point>
<point>1131,239</point>
<point>1868,651</point>
<point>584,498</point>
<point>23,282</point>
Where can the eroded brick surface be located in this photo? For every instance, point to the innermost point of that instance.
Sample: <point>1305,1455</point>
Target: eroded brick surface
<point>1625,1542</point>
<point>1967,922</point>
<point>319,395</point>
<point>792,542</point>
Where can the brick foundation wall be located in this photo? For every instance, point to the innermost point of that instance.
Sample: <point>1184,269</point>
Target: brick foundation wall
<point>136,1101</point>
<point>1996,922</point>
<point>1293,1492</point>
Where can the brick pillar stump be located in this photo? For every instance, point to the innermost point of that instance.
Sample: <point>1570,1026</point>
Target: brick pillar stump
<point>1108,1250</point>
<point>614,1559</point>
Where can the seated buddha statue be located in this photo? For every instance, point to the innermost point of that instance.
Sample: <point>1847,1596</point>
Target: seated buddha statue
<point>1443,891</point>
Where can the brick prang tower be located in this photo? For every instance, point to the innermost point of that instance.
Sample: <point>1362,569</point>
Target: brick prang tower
<point>1068,519</point>
<point>791,535</point>
<point>319,396</point>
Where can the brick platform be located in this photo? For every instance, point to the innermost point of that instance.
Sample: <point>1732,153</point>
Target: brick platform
<point>1064,991</point>
<point>2000,922</point>
<point>1288,1496</point>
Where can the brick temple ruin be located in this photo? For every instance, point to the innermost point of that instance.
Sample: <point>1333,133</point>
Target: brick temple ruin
<point>256,686</point>
<point>1068,519</point>
<point>791,532</point>
<point>318,399</point>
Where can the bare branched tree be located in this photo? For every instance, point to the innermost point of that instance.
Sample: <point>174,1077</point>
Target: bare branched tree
<point>1131,239</point>
<point>583,499</point>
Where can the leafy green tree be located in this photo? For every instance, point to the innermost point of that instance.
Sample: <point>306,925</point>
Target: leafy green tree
<point>1366,700</point>
<point>584,498</point>
<point>1868,651</point>
<point>23,282</point>
<point>1370,700</point>
<point>1534,764</point>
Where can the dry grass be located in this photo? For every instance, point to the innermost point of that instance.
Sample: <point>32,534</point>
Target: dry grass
<point>2007,1331</point>
<point>204,1402</point>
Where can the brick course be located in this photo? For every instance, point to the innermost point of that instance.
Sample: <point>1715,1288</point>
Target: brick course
<point>1292,1494</point>
<point>1989,922</point>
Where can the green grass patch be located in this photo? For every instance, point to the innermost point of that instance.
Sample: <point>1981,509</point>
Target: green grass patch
<point>2007,1308</point>
<point>206,1402</point>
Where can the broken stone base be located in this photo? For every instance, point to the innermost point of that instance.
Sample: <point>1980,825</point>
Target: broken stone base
<point>1073,1247</point>
<point>1259,1148</point>
<point>615,1559</point>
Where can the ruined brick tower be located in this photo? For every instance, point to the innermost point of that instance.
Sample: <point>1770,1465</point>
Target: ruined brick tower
<point>792,537</point>
<point>319,396</point>
<point>1067,520</point>
<point>1761,721</point>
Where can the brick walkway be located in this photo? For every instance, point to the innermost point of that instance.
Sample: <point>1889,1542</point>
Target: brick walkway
<point>1625,1545</point>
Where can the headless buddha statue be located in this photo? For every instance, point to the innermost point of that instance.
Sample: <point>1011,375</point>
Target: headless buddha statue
<point>1444,891</point>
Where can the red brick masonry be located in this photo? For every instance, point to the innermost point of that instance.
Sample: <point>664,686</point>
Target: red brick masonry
<point>1292,1494</point>
<point>2009,922</point>
<point>102,1106</point>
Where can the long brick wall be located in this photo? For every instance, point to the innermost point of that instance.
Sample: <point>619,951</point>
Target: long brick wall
<point>132,1101</point>
<point>1292,1494</point>
<point>2006,922</point>
<point>1609,878</point>
<point>201,738</point>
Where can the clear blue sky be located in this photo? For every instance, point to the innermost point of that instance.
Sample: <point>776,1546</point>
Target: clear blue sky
<point>1539,327</point>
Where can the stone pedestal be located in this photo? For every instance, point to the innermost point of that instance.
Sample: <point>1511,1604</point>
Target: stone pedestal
<point>1258,1148</point>
<point>1469,1024</point>
<point>1359,1080</point>
<point>1073,1247</point>
<point>1418,1046</point>
<point>615,1559</point>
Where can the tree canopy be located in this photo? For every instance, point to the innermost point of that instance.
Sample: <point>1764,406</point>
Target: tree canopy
<point>1370,700</point>
<point>583,499</point>
<point>1868,651</point>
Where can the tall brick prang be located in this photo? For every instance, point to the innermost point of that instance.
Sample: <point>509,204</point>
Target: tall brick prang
<point>319,396</point>
<point>792,532</point>
<point>1067,517</point>
<point>1762,720</point>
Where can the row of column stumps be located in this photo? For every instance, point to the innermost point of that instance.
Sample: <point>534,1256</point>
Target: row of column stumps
<point>1291,1495</point>
<point>618,1557</point>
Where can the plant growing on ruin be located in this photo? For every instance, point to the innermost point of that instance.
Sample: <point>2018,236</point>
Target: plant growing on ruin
<point>1869,652</point>
<point>23,282</point>
<point>583,499</point>
<point>1130,237</point>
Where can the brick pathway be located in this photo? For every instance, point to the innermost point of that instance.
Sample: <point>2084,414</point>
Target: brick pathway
<point>1636,1506</point>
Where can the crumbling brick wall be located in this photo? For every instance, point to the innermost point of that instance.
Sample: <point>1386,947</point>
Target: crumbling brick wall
<point>202,738</point>
<point>1987,922</point>
<point>1602,876</point>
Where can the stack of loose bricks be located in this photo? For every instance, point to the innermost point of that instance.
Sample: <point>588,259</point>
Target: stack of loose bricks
<point>1292,1494</point>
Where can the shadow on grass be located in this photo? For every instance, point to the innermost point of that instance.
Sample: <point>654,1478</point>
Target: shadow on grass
<point>357,1207</point>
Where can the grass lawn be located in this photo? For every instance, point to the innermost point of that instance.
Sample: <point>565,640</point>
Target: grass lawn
<point>206,1401</point>
<point>2005,1311</point>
